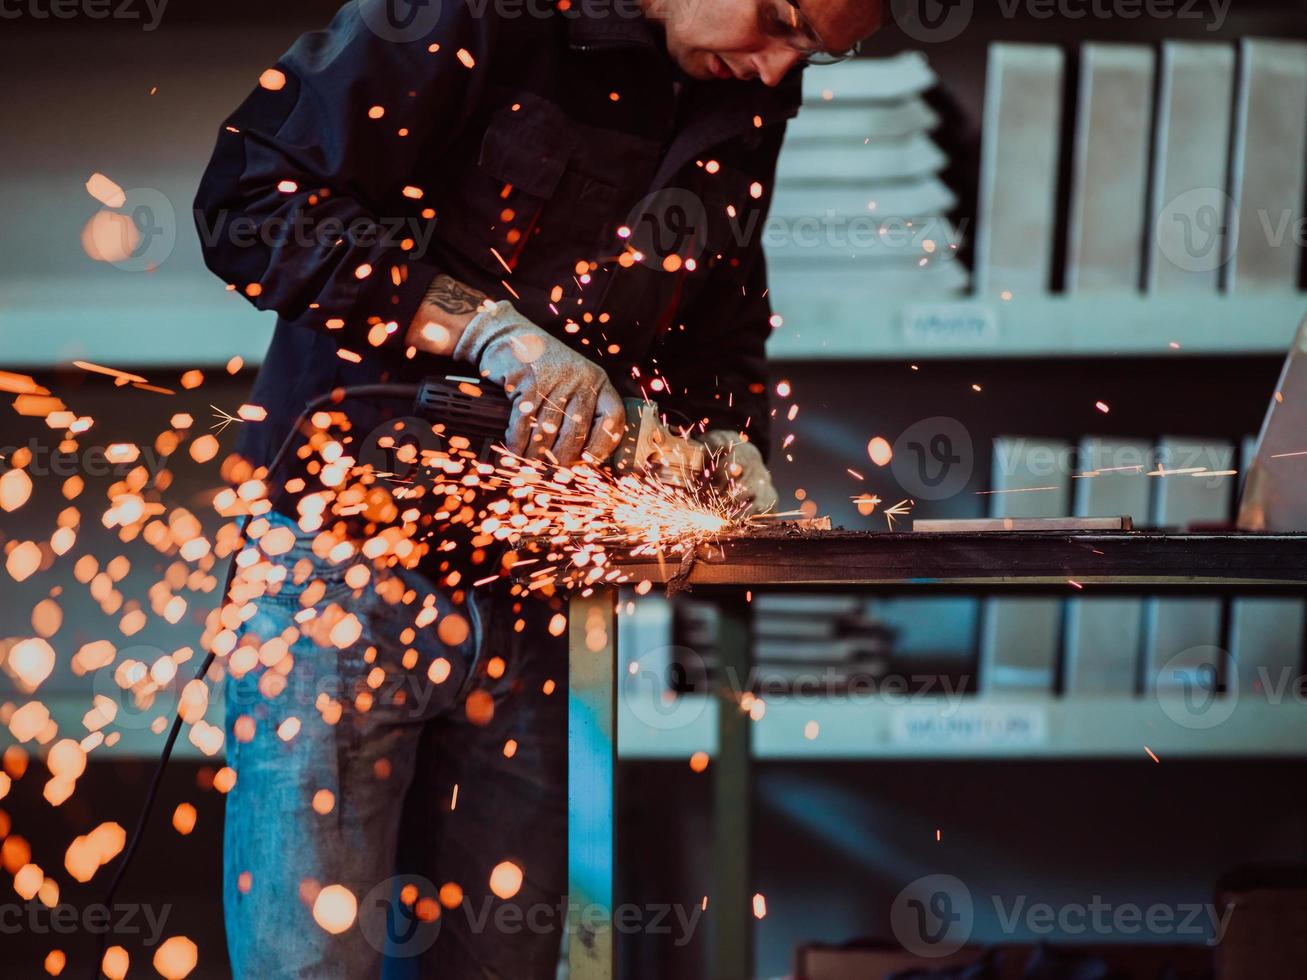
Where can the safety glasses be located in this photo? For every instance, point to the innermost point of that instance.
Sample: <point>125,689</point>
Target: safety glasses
<point>785,20</point>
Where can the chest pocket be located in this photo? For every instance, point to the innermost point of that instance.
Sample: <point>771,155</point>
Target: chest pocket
<point>525,203</point>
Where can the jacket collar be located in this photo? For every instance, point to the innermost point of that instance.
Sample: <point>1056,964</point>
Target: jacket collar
<point>609,25</point>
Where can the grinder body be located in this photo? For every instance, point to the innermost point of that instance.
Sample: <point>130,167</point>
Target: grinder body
<point>479,411</point>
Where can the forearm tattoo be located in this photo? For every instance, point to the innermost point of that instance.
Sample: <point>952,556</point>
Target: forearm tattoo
<point>452,296</point>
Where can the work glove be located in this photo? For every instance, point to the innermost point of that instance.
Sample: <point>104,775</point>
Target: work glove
<point>738,471</point>
<point>563,403</point>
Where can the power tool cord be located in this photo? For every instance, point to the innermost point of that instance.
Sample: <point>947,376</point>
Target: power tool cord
<point>334,397</point>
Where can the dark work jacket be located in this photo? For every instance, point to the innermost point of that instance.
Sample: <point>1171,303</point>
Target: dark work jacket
<point>502,150</point>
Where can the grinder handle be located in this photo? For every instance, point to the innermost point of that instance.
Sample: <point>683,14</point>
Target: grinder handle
<point>479,411</point>
<point>468,407</point>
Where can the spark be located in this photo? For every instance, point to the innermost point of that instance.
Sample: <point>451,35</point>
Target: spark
<point>1120,469</point>
<point>157,389</point>
<point>1301,452</point>
<point>1152,755</point>
<point>224,419</point>
<point>866,503</point>
<point>20,384</point>
<point>120,377</point>
<point>581,513</point>
<point>776,516</point>
<point>567,527</point>
<point>901,509</point>
<point>500,259</point>
<point>880,451</point>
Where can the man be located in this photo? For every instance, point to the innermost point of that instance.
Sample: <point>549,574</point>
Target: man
<point>564,198</point>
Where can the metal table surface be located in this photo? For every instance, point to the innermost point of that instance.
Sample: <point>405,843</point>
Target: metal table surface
<point>1141,562</point>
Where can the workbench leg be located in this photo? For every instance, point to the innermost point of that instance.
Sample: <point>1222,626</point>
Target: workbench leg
<point>592,784</point>
<point>731,902</point>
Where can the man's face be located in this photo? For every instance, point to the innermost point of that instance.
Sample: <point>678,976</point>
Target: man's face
<point>757,38</point>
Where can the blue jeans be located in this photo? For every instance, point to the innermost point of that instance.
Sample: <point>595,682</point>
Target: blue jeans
<point>363,767</point>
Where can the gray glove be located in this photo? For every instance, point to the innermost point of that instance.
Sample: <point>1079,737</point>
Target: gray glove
<point>563,403</point>
<point>739,471</point>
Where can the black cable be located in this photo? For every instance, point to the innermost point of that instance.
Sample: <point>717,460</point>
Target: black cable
<point>147,807</point>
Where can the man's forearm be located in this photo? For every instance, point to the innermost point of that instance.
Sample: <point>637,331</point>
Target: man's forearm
<point>446,310</point>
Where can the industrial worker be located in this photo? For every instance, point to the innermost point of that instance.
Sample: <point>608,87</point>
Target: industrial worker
<point>564,197</point>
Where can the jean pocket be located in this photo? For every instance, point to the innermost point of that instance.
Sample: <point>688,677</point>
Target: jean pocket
<point>298,575</point>
<point>415,653</point>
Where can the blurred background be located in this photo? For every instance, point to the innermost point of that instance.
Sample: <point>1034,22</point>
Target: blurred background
<point>1012,244</point>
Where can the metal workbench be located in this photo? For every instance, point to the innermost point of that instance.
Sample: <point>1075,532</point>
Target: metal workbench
<point>1004,562</point>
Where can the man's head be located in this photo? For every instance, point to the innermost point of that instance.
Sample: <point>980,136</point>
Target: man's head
<point>759,38</point>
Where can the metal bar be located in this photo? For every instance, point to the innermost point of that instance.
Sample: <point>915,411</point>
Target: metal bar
<point>996,560</point>
<point>592,784</point>
<point>731,902</point>
<point>983,588</point>
<point>968,525</point>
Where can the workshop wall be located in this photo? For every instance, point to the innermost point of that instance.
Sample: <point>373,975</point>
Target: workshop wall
<point>835,843</point>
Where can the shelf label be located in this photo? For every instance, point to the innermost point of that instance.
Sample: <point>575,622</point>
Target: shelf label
<point>950,325</point>
<point>970,726</point>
